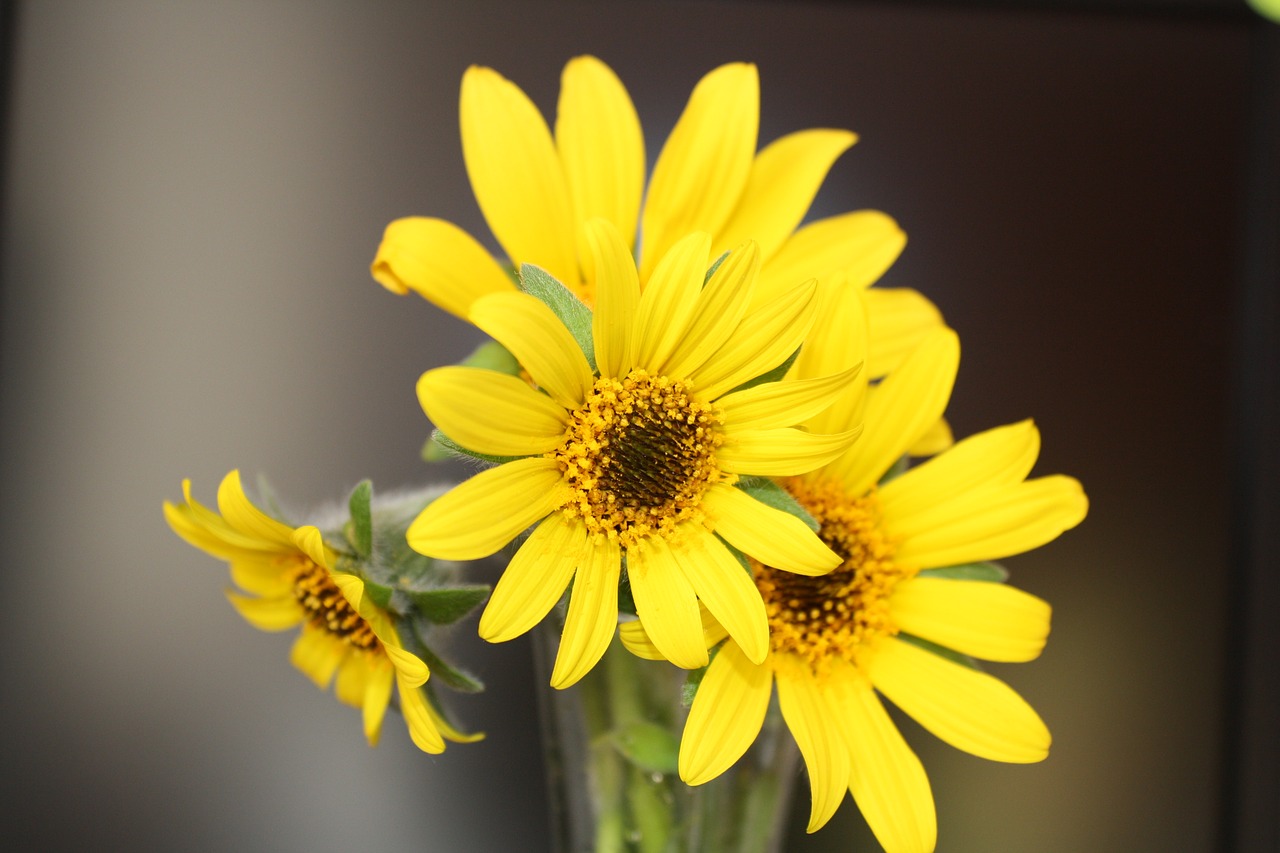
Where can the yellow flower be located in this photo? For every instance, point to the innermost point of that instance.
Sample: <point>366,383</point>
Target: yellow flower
<point>537,191</point>
<point>289,577</point>
<point>838,639</point>
<point>637,458</point>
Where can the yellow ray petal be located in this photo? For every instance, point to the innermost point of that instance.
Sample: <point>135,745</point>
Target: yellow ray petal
<point>601,145</point>
<point>719,310</point>
<point>837,342</point>
<point>815,724</point>
<point>617,297</point>
<point>724,587</point>
<point>781,452</point>
<point>726,715</point>
<point>534,580</point>
<point>491,412</point>
<point>860,245</point>
<point>887,780</point>
<point>353,680</point>
<point>308,540</point>
<point>260,577</point>
<point>784,178</point>
<point>593,612</point>
<point>516,174</point>
<point>246,518</point>
<point>486,512</point>
<point>1003,455</point>
<point>447,730</point>
<point>439,261</point>
<point>780,404</point>
<point>213,540</point>
<point>268,614</point>
<point>763,340</point>
<point>352,588</point>
<point>990,621</point>
<point>902,409</point>
<point>991,523</point>
<point>422,728</point>
<point>317,654</point>
<point>968,709</point>
<point>668,299</point>
<point>899,319</point>
<point>773,537</point>
<point>636,640</point>
<point>937,439</point>
<point>703,167</point>
<point>539,341</point>
<point>377,694</point>
<point>410,670</point>
<point>666,603</point>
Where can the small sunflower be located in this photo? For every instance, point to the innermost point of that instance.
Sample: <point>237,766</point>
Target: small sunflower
<point>890,619</point>
<point>637,458</point>
<point>288,579</point>
<point>537,189</point>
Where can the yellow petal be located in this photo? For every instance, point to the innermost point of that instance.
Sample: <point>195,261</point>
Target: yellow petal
<point>410,670</point>
<point>268,614</point>
<point>724,587</point>
<point>636,640</point>
<point>968,709</point>
<point>479,516</point>
<point>703,167</point>
<point>539,341</point>
<point>784,178</point>
<point>902,409</point>
<point>491,412</point>
<point>666,602</point>
<point>593,612</point>
<point>419,719</point>
<point>352,588</point>
<point>837,342</point>
<point>815,724</point>
<point>990,621</point>
<point>260,577</point>
<point>246,518</point>
<point>726,716</point>
<point>353,680</point>
<point>317,654</point>
<point>860,245</point>
<point>377,695</point>
<point>216,539</point>
<point>773,537</point>
<point>601,145</point>
<point>516,174</point>
<point>668,299</point>
<point>991,523</point>
<point>780,404</point>
<point>937,439</point>
<point>719,310</point>
<point>534,580</point>
<point>900,319</point>
<point>447,730</point>
<point>780,452</point>
<point>886,778</point>
<point>439,261</point>
<point>617,297</point>
<point>308,540</point>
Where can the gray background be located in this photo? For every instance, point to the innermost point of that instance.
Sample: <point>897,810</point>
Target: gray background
<point>193,193</point>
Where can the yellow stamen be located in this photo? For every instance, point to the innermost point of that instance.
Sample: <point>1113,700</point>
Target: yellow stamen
<point>326,606</point>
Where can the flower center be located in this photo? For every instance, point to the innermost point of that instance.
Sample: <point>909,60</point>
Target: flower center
<point>639,454</point>
<point>840,614</point>
<point>327,608</point>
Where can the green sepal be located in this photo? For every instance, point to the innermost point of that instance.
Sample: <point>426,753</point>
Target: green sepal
<point>492,355</point>
<point>576,317</point>
<point>988,571</point>
<point>447,604</point>
<point>379,594</point>
<point>737,555</point>
<point>711,270</point>
<point>648,746</point>
<point>359,530</point>
<point>896,470</point>
<point>771,376</point>
<point>941,651</point>
<point>454,677</point>
<point>771,494</point>
<point>689,690</point>
<point>450,449</point>
<point>626,601</point>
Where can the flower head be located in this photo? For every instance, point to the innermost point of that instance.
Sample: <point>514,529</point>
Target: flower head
<point>635,458</point>
<point>287,578</point>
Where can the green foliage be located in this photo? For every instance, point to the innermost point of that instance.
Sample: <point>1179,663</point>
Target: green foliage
<point>441,670</point>
<point>359,529</point>
<point>712,269</point>
<point>647,745</point>
<point>689,690</point>
<point>773,375</point>
<point>989,572</point>
<point>771,494</point>
<point>492,355</point>
<point>941,651</point>
<point>440,446</point>
<point>576,317</point>
<point>446,605</point>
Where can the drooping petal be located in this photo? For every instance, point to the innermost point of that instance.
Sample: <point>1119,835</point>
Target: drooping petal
<point>666,602</point>
<point>968,709</point>
<point>772,405</point>
<point>211,540</point>
<point>516,174</point>
<point>601,145</point>
<point>539,341</point>
<point>860,245</point>
<point>781,452</point>
<point>377,695</point>
<point>439,261</point>
<point>784,178</point>
<point>814,722</point>
<point>719,310</point>
<point>259,576</point>
<point>317,655</point>
<point>991,621</point>
<point>773,537</point>
<point>667,301</point>
<point>479,516</point>
<point>703,167</point>
<point>617,297</point>
<point>636,639</point>
<point>410,670</point>
<point>534,580</point>
<point>246,518</point>
<point>491,412</point>
<point>308,540</point>
<point>422,727</point>
<point>726,590</point>
<point>726,715</point>
<point>353,680</point>
<point>899,319</point>
<point>268,614</point>
<point>593,612</point>
<point>448,730</point>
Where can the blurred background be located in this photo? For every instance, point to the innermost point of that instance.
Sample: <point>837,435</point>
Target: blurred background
<point>192,195</point>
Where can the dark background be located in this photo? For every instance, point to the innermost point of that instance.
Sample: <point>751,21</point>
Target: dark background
<point>192,194</point>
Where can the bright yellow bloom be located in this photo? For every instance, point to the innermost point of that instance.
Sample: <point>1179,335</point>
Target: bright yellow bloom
<point>288,579</point>
<point>837,640</point>
<point>637,458</point>
<point>537,190</point>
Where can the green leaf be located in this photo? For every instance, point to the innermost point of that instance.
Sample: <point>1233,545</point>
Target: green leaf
<point>443,671</point>
<point>990,572</point>
<point>941,651</point>
<point>896,470</point>
<point>359,529</point>
<point>737,555</point>
<point>689,690</point>
<point>452,449</point>
<point>771,494</point>
<point>647,745</point>
<point>712,269</point>
<point>447,604</point>
<point>773,375</point>
<point>576,317</point>
<point>379,594</point>
<point>492,355</point>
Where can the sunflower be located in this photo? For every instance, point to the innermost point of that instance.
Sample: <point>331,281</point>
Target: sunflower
<point>536,191</point>
<point>890,619</point>
<point>289,577</point>
<point>637,458</point>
